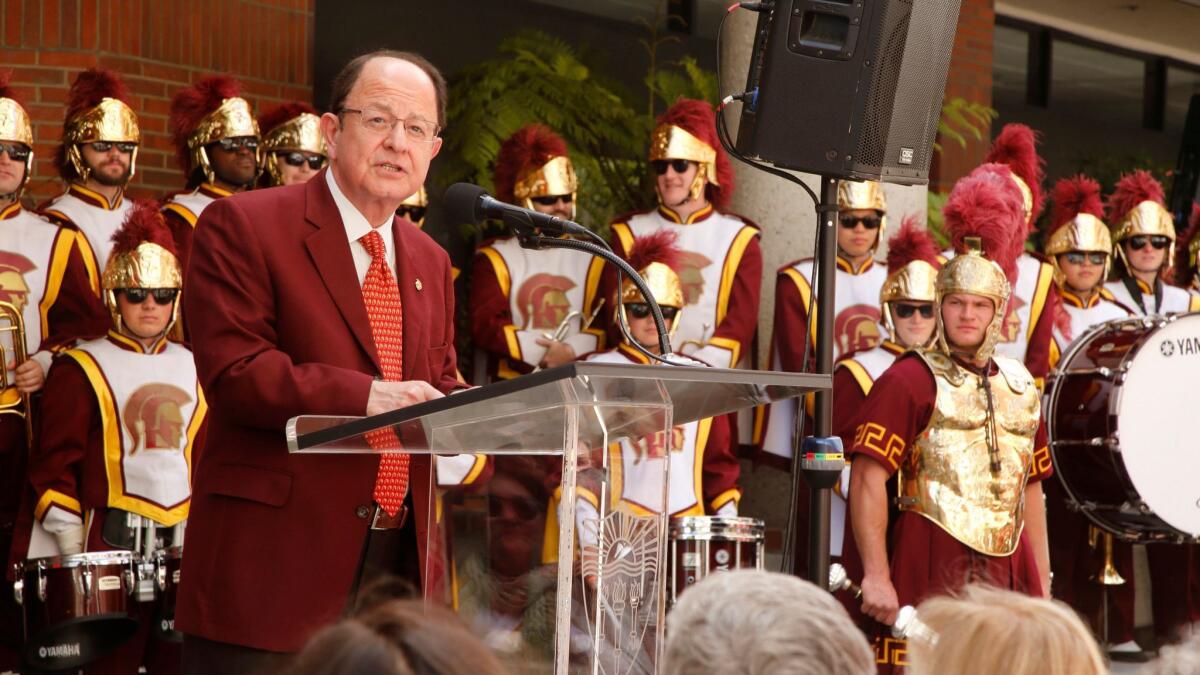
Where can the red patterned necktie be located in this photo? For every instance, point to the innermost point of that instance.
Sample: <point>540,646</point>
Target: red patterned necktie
<point>382,298</point>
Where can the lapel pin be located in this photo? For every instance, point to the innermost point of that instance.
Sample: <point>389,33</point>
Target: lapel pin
<point>418,284</point>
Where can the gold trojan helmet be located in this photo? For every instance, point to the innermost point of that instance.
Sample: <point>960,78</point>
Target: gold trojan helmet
<point>688,131</point>
<point>972,274</point>
<point>15,128</point>
<point>210,110</point>
<point>289,127</point>
<point>143,256</point>
<point>654,256</point>
<point>417,202</point>
<point>1076,225</point>
<point>852,195</point>
<point>97,111</point>
<point>912,272</point>
<point>533,163</point>
<point>1136,208</point>
<point>556,177</point>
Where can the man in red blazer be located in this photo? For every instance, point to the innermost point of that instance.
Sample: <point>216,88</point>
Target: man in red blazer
<point>280,326</point>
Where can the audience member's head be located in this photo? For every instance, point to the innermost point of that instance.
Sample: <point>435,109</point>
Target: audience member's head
<point>399,637</point>
<point>749,621</point>
<point>988,630</point>
<point>1180,659</point>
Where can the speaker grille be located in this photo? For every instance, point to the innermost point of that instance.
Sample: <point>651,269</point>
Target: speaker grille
<point>888,55</point>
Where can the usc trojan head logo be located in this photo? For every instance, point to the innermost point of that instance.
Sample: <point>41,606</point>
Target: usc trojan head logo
<point>691,275</point>
<point>1011,330</point>
<point>13,289</point>
<point>856,328</point>
<point>154,417</point>
<point>542,300</point>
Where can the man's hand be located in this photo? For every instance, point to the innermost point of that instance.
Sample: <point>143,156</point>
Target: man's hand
<point>557,353</point>
<point>387,396</point>
<point>29,376</point>
<point>879,599</point>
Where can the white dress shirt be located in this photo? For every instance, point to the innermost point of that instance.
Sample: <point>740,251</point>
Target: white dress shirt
<point>357,227</point>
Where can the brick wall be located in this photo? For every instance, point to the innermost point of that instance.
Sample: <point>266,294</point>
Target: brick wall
<point>970,77</point>
<point>158,46</point>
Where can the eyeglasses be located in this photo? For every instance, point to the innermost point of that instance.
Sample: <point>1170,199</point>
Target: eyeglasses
<point>18,152</point>
<point>551,200</point>
<point>414,214</point>
<point>234,144</point>
<point>1158,241</point>
<point>905,311</point>
<point>162,296</point>
<point>298,159</point>
<point>381,122</point>
<point>870,222</point>
<point>640,310</point>
<point>1078,257</point>
<point>105,146</point>
<point>680,165</point>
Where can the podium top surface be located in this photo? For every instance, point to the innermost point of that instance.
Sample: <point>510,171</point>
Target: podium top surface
<point>529,414</point>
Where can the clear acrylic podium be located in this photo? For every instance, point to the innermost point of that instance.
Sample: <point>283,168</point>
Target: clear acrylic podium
<point>521,466</point>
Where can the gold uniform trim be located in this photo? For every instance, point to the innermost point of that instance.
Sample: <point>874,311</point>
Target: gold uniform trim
<point>729,272</point>
<point>861,376</point>
<point>624,236</point>
<point>59,255</point>
<point>55,498</point>
<point>1040,293</point>
<point>183,212</point>
<point>500,267</point>
<point>90,265</point>
<point>731,495</point>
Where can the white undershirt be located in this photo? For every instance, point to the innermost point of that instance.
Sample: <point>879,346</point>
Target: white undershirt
<point>357,227</point>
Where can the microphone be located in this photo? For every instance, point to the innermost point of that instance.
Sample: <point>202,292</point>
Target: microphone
<point>467,203</point>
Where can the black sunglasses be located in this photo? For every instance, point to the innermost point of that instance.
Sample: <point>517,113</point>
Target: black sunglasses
<point>680,165</point>
<point>869,222</point>
<point>105,146</point>
<point>1077,257</point>
<point>232,144</point>
<point>1158,241</point>
<point>414,214</point>
<point>905,311</point>
<point>551,200</point>
<point>298,159</point>
<point>162,296</point>
<point>18,152</point>
<point>640,310</point>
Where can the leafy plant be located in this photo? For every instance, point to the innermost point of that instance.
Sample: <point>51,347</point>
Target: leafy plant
<point>960,118</point>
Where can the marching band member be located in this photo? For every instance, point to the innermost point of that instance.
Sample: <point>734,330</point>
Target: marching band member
<point>1187,272</point>
<point>962,427</point>
<point>1145,238</point>
<point>525,305</point>
<point>293,148</point>
<point>97,159</point>
<point>120,419</point>
<point>413,209</point>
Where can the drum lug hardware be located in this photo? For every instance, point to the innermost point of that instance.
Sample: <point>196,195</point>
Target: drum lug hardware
<point>19,591</point>
<point>160,574</point>
<point>87,581</point>
<point>130,581</point>
<point>41,584</point>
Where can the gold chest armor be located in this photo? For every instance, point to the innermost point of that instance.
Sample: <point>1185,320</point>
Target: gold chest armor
<point>949,475</point>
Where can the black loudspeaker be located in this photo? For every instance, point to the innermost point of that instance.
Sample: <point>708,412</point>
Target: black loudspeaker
<point>1185,189</point>
<point>849,88</point>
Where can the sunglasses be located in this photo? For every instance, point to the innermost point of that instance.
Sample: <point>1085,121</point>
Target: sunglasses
<point>869,222</point>
<point>905,311</point>
<point>551,200</point>
<point>162,296</point>
<point>122,147</point>
<point>414,214</point>
<point>232,144</point>
<point>1158,241</point>
<point>18,152</point>
<point>680,165</point>
<point>298,159</point>
<point>1077,257</point>
<point>640,310</point>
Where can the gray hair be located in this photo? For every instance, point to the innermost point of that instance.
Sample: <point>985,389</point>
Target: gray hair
<point>750,621</point>
<point>1180,659</point>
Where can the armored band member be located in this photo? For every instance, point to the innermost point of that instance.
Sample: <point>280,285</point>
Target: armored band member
<point>217,143</point>
<point>862,214</point>
<point>97,159</point>
<point>962,428</point>
<point>120,426</point>
<point>533,309</point>
<point>1144,235</point>
<point>293,148</point>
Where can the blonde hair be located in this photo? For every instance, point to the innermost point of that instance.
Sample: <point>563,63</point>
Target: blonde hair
<point>989,630</point>
<point>1180,659</point>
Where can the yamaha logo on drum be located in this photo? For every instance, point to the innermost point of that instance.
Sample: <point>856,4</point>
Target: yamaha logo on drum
<point>60,651</point>
<point>1189,346</point>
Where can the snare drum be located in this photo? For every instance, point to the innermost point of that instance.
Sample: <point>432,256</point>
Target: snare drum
<point>704,544</point>
<point>1119,414</point>
<point>77,608</point>
<point>166,580</point>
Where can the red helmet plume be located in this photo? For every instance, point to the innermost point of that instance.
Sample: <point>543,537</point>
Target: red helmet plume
<point>528,148</point>
<point>1133,189</point>
<point>911,242</point>
<point>988,205</point>
<point>6,88</point>
<point>282,113</point>
<point>143,224</point>
<point>657,247</point>
<point>698,119</point>
<point>92,86</point>
<point>1073,196</point>
<point>1016,147</point>
<point>190,106</point>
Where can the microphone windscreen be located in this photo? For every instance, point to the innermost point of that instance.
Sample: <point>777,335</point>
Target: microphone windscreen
<point>462,203</point>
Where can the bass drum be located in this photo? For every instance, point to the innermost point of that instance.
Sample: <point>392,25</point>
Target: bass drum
<point>1119,413</point>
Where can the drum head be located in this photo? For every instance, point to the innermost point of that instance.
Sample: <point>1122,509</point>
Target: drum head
<point>1155,411</point>
<point>76,642</point>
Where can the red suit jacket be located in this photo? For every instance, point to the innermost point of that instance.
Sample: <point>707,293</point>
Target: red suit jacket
<point>278,329</point>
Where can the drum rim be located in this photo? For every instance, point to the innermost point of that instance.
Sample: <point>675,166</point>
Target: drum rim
<point>81,559</point>
<point>730,528</point>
